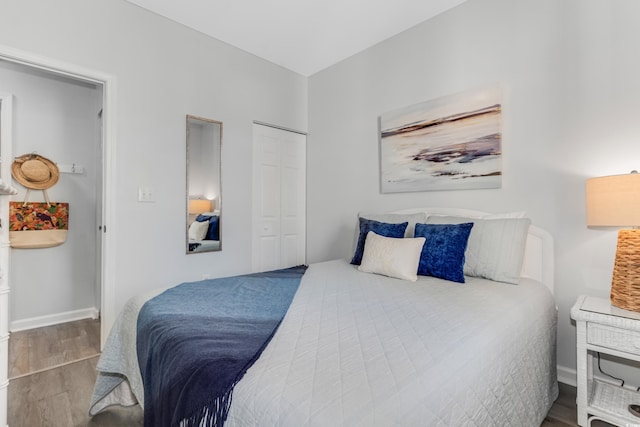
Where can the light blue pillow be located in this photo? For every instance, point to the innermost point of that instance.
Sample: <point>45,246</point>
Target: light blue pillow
<point>381,229</point>
<point>443,251</point>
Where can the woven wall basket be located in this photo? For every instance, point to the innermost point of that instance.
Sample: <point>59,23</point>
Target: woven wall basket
<point>625,286</point>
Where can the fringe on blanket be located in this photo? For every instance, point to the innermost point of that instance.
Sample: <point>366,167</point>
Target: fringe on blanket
<point>214,414</point>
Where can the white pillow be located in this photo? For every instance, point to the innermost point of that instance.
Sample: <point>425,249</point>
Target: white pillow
<point>496,246</point>
<point>198,230</point>
<point>391,256</point>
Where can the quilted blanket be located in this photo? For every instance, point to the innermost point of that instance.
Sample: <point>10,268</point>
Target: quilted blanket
<point>119,381</point>
<point>357,349</point>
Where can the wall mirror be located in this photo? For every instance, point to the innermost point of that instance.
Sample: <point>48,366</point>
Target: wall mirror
<point>204,146</point>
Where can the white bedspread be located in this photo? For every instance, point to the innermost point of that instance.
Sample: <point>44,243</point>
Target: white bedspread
<point>358,349</point>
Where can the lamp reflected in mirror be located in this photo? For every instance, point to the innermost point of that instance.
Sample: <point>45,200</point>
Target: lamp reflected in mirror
<point>204,143</point>
<point>199,206</point>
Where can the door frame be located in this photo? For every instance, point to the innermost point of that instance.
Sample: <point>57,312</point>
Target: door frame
<point>6,134</point>
<point>106,274</point>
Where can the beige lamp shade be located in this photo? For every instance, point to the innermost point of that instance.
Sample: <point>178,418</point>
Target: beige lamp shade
<point>198,206</point>
<point>615,201</point>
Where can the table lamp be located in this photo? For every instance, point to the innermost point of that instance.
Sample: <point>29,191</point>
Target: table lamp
<point>198,206</point>
<point>614,201</point>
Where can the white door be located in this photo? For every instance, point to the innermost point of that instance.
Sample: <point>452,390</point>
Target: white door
<point>279,198</point>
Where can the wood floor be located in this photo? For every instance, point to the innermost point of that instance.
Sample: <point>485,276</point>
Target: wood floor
<point>52,371</point>
<point>563,412</point>
<point>60,396</point>
<point>35,350</point>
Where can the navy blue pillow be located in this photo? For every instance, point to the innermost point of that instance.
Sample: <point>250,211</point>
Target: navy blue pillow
<point>213,233</point>
<point>203,218</point>
<point>443,251</point>
<point>380,228</point>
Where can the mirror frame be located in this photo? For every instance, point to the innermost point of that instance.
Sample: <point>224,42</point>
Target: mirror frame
<point>218,198</point>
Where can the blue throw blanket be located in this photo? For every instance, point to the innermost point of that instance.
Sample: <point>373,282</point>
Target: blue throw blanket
<point>196,341</point>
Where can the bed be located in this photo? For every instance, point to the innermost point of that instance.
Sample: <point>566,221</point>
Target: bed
<point>204,232</point>
<point>203,245</point>
<point>357,348</point>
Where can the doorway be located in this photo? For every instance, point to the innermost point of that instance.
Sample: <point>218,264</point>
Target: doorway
<point>102,278</point>
<point>57,117</point>
<point>279,198</point>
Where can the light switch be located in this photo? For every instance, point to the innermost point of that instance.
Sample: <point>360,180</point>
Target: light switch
<point>146,194</point>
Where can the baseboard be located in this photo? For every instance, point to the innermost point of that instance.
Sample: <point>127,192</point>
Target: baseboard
<point>567,375</point>
<point>54,319</point>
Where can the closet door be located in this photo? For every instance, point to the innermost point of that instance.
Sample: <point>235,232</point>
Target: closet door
<point>279,198</point>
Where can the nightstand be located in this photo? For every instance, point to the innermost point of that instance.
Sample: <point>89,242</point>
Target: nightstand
<point>604,328</point>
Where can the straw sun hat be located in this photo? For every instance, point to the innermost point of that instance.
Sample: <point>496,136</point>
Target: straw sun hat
<point>35,172</point>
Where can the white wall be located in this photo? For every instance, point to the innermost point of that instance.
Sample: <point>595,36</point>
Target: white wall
<point>163,72</point>
<point>57,118</point>
<point>570,74</point>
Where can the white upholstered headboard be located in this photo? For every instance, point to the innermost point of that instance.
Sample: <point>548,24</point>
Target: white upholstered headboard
<point>538,257</point>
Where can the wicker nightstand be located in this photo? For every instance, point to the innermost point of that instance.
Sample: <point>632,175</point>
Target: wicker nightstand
<point>604,328</point>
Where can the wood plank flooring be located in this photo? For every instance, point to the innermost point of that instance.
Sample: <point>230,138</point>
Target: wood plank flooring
<point>38,349</point>
<point>563,412</point>
<point>52,371</point>
<point>60,396</point>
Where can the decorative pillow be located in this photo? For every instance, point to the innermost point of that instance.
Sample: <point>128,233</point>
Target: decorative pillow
<point>443,253</point>
<point>213,232</point>
<point>393,257</point>
<point>198,230</point>
<point>496,246</point>
<point>203,217</point>
<point>380,228</point>
<point>391,218</point>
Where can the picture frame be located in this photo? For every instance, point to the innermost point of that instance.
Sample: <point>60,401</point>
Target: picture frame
<point>448,143</point>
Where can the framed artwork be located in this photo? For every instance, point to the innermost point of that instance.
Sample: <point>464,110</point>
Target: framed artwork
<point>448,143</point>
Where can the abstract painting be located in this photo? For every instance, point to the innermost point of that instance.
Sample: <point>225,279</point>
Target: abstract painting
<point>448,143</point>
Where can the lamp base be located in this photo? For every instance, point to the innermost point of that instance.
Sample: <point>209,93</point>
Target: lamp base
<point>625,286</point>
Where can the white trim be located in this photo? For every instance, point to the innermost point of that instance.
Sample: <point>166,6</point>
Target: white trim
<point>49,64</point>
<point>567,375</point>
<point>108,208</point>
<point>54,319</point>
<point>6,153</point>
<point>269,125</point>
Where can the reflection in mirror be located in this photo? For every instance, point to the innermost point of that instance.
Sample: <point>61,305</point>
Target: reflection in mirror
<point>204,140</point>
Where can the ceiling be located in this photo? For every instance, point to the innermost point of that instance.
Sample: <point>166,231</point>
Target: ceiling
<point>304,36</point>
